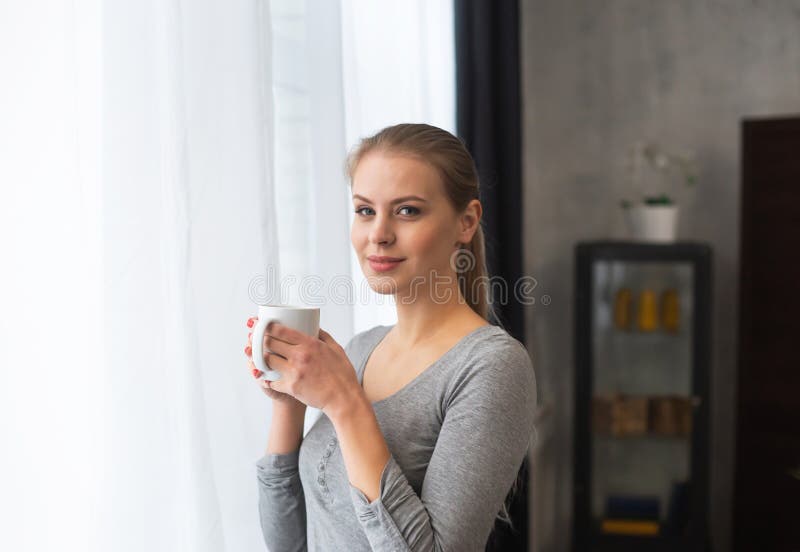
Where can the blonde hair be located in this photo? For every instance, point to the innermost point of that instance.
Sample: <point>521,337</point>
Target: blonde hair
<point>448,155</point>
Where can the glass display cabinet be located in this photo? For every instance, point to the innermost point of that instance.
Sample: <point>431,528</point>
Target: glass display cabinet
<point>642,315</point>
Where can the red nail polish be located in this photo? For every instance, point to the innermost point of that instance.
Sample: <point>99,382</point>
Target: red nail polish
<point>256,373</point>
<point>250,323</point>
<point>248,350</point>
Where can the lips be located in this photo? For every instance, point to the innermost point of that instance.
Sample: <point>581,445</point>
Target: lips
<point>382,264</point>
<point>381,259</point>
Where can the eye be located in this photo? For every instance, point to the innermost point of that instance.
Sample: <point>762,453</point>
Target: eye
<point>358,211</point>
<point>414,210</point>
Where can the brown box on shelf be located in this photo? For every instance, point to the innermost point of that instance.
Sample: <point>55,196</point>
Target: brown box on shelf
<point>629,416</point>
<point>671,415</point>
<point>619,415</point>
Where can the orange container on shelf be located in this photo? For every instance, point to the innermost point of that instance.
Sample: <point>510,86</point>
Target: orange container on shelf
<point>647,312</point>
<point>670,311</point>
<point>623,305</point>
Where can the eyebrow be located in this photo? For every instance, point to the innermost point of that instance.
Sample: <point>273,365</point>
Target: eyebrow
<point>398,200</point>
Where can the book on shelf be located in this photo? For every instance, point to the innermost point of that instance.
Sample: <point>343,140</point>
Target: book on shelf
<point>629,527</point>
<point>636,507</point>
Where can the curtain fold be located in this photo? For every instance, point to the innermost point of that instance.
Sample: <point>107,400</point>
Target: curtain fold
<point>313,265</point>
<point>188,222</point>
<point>489,122</point>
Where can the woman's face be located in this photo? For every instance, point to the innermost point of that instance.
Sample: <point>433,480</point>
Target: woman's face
<point>422,232</point>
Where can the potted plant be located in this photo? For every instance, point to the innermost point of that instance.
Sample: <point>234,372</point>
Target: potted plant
<point>655,216</point>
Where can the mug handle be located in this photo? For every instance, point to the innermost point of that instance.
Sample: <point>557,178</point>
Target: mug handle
<point>258,353</point>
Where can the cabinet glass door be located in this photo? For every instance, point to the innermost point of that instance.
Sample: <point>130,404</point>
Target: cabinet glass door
<point>642,403</point>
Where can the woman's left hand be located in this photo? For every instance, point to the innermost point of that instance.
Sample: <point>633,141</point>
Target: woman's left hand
<point>315,371</point>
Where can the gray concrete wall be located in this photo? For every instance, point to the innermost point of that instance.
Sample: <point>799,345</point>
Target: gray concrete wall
<point>598,75</point>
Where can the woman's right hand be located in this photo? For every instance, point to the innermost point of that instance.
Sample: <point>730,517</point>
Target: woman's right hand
<point>283,398</point>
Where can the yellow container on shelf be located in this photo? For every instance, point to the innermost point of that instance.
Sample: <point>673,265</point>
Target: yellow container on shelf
<point>623,305</point>
<point>647,312</point>
<point>670,311</point>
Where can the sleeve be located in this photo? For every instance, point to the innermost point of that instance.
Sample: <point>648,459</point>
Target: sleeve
<point>281,502</point>
<point>485,434</point>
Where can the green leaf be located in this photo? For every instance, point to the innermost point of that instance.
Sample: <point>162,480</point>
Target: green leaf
<point>662,199</point>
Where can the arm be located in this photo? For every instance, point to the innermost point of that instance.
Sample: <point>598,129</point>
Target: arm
<point>286,429</point>
<point>484,437</point>
<point>363,446</point>
<point>281,501</point>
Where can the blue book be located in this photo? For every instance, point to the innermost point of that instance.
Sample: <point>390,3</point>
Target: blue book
<point>632,507</point>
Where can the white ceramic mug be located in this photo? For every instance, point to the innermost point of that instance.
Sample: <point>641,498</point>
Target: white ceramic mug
<point>302,319</point>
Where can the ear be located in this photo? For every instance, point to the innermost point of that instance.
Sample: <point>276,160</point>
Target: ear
<point>469,220</point>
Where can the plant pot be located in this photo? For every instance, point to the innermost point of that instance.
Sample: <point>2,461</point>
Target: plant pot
<point>657,223</point>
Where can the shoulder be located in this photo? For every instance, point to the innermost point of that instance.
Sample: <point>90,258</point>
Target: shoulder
<point>364,341</point>
<point>495,363</point>
<point>495,350</point>
<point>496,343</point>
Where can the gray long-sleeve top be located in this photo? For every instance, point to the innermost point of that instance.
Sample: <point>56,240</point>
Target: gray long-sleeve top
<point>457,435</point>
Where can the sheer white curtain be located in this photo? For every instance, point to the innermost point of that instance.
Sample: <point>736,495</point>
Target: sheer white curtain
<point>188,217</point>
<point>155,159</point>
<point>51,280</point>
<point>137,205</point>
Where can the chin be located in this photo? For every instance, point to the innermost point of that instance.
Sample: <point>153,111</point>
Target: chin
<point>388,289</point>
<point>383,285</point>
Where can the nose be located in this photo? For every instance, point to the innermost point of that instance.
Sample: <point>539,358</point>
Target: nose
<point>381,231</point>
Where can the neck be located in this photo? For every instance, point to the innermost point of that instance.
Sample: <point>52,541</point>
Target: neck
<point>430,313</point>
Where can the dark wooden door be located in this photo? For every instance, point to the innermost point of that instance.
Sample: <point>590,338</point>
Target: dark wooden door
<point>767,477</point>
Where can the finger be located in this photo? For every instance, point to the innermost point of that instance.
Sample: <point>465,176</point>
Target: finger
<point>285,333</point>
<point>279,386</point>
<point>274,340</point>
<point>268,391</point>
<point>264,384</point>
<point>279,346</point>
<point>250,338</point>
<point>276,362</point>
<point>328,338</point>
<point>253,370</point>
<point>252,321</point>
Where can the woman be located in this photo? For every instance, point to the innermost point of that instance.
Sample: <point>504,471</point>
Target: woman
<point>425,423</point>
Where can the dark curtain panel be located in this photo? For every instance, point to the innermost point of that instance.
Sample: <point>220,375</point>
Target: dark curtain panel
<point>488,119</point>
